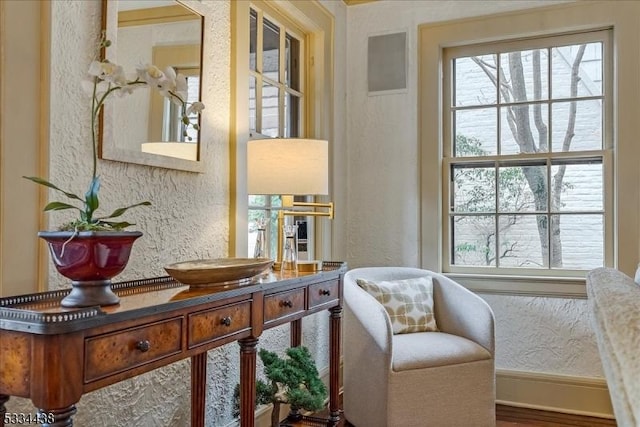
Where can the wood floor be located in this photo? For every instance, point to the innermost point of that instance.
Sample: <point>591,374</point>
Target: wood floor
<point>509,416</point>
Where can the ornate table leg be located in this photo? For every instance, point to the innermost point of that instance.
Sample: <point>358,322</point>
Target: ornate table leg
<point>58,417</point>
<point>247,381</point>
<point>3,410</point>
<point>296,341</point>
<point>198,388</point>
<point>334,365</point>
<point>296,333</point>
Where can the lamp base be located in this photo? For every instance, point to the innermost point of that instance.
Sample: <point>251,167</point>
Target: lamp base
<point>309,266</point>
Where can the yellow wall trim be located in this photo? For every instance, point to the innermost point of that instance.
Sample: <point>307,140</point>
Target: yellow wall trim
<point>550,392</point>
<point>155,15</point>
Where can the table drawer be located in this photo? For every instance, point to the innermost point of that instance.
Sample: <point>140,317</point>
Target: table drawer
<point>210,325</point>
<point>129,348</point>
<point>322,293</point>
<point>283,304</point>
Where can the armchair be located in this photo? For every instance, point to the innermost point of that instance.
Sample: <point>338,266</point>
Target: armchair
<point>423,379</point>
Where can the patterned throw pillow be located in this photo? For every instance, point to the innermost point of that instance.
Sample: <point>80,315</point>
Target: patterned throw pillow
<point>408,302</point>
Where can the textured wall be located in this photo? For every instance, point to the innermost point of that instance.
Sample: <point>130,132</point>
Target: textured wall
<point>550,335</point>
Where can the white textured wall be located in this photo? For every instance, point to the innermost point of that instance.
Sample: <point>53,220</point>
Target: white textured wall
<point>550,335</point>
<point>188,220</point>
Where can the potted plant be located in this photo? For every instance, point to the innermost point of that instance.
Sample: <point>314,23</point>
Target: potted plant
<point>92,249</point>
<point>294,381</point>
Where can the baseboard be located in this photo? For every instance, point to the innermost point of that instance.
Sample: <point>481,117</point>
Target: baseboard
<point>537,417</point>
<point>555,393</point>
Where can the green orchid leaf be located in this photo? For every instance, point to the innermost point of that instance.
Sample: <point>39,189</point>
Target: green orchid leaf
<point>117,225</point>
<point>120,211</point>
<point>91,196</point>
<point>50,185</point>
<point>59,206</point>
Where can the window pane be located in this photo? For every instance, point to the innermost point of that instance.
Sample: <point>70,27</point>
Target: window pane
<point>252,103</point>
<point>474,189</point>
<point>270,50</point>
<point>525,76</point>
<point>257,200</point>
<point>473,240</point>
<point>586,61</point>
<point>292,57</point>
<point>520,241</point>
<point>292,115</point>
<point>479,126</point>
<point>579,243</point>
<point>576,126</point>
<point>577,187</point>
<point>524,129</point>
<point>270,110</point>
<point>522,189</point>
<point>253,38</point>
<point>474,81</point>
<point>276,201</point>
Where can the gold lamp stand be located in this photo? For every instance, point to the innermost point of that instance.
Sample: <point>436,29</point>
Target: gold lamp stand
<point>288,202</point>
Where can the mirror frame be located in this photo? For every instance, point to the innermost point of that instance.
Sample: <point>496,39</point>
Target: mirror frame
<point>107,149</point>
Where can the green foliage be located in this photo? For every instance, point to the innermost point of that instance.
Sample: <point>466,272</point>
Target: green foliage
<point>90,203</point>
<point>293,380</point>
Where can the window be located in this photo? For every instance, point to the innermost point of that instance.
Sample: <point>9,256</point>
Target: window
<point>528,156</point>
<point>276,100</point>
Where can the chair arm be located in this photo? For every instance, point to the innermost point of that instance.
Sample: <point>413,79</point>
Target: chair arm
<point>367,321</point>
<point>460,312</point>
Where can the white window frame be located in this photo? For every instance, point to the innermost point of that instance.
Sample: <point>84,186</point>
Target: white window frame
<point>318,26</point>
<point>605,154</point>
<point>557,19</point>
<point>285,26</point>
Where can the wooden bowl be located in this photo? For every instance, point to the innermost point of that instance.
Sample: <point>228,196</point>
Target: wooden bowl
<point>215,272</point>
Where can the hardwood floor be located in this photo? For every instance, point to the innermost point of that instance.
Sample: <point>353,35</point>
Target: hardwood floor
<point>509,416</point>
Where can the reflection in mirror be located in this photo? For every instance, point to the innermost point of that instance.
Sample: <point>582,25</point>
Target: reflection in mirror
<point>145,127</point>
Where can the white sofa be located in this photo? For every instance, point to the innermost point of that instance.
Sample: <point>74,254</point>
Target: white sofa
<point>424,379</point>
<point>614,301</point>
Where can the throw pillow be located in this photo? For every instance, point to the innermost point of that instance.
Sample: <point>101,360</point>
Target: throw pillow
<point>408,302</point>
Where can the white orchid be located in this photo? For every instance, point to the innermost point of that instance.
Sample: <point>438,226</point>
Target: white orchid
<point>150,74</point>
<point>195,107</point>
<point>104,79</point>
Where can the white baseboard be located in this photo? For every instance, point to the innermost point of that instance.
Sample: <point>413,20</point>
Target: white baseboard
<point>549,392</point>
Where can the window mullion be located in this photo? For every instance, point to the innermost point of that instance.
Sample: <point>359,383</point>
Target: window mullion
<point>259,69</point>
<point>281,82</point>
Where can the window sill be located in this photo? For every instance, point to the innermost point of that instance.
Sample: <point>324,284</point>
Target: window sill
<point>557,287</point>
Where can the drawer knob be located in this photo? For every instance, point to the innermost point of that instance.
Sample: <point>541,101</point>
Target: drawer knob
<point>326,292</point>
<point>287,303</point>
<point>143,345</point>
<point>226,321</point>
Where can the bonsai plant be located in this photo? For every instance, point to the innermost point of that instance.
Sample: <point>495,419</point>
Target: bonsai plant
<point>294,381</point>
<point>92,249</point>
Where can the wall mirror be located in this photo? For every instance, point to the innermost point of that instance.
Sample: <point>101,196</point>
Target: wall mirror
<point>144,127</point>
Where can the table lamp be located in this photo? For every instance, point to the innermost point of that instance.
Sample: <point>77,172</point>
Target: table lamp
<point>290,167</point>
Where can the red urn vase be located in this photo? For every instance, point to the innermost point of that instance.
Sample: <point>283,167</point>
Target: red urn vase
<point>90,259</point>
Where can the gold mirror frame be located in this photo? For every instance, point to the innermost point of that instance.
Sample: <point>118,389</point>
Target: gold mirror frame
<point>108,148</point>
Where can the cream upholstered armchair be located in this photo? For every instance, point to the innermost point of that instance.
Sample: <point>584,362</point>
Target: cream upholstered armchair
<point>422,379</point>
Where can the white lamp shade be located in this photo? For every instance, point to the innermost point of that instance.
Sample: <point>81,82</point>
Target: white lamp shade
<point>288,166</point>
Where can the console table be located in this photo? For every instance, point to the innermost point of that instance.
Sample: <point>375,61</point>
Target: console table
<point>52,355</point>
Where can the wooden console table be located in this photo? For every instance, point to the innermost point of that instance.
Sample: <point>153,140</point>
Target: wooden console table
<point>52,355</point>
